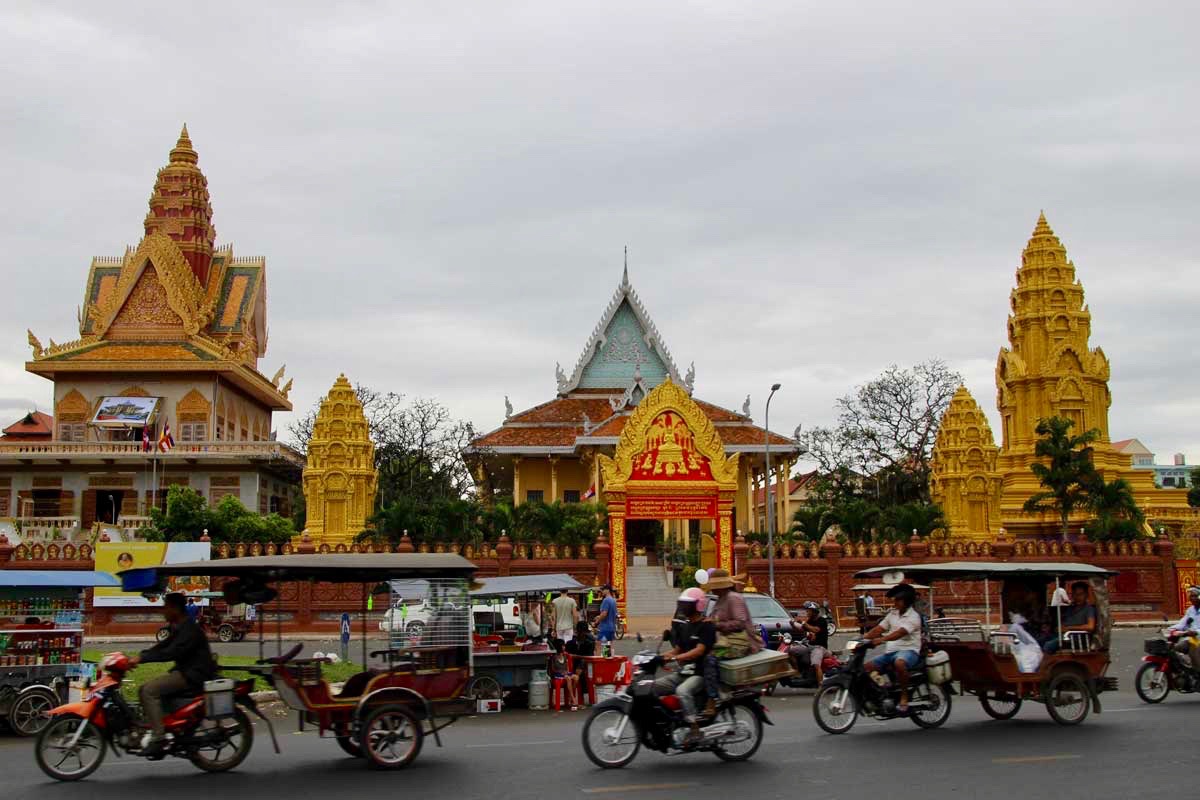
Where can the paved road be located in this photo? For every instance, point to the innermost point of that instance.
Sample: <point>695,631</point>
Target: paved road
<point>1131,750</point>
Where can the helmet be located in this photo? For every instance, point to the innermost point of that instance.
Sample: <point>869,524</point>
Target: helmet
<point>692,595</point>
<point>809,605</point>
<point>905,591</point>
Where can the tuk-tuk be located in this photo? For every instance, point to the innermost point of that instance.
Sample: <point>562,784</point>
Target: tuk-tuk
<point>380,714</point>
<point>1037,655</point>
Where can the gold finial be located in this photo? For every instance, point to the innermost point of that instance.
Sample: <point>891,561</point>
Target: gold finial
<point>1042,228</point>
<point>183,152</point>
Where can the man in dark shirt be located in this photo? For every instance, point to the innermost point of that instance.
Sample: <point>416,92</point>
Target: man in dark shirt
<point>699,638</point>
<point>1079,616</point>
<point>812,644</point>
<point>188,647</point>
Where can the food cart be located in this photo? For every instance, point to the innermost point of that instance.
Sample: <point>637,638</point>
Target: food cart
<point>41,641</point>
<point>503,660</point>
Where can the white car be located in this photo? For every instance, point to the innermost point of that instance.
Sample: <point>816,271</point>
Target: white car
<point>419,613</point>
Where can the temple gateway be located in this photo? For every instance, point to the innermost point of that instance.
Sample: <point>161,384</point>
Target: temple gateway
<point>625,427</point>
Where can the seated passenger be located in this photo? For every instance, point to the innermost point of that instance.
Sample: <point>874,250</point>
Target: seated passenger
<point>901,631</point>
<point>1079,616</point>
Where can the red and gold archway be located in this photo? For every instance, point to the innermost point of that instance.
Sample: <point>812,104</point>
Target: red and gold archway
<point>669,463</point>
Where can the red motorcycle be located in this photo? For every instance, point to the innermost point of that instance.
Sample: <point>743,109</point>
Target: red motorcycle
<point>212,732</point>
<point>1162,669</point>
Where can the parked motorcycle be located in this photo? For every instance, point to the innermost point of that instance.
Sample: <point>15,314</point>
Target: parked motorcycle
<point>1163,669</point>
<point>618,727</point>
<point>852,691</point>
<point>73,745</point>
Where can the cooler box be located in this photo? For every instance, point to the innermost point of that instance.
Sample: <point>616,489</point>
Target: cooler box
<point>765,666</point>
<point>218,698</point>
<point>937,667</point>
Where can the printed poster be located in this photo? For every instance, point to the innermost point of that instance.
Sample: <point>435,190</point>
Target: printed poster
<point>113,557</point>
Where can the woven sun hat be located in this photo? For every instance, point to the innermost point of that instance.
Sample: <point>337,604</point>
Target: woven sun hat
<point>720,579</point>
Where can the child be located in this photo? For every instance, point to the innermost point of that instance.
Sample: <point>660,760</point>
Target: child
<point>559,670</point>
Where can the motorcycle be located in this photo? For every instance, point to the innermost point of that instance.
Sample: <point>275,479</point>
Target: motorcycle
<point>73,744</point>
<point>1163,669</point>
<point>852,691</point>
<point>617,728</point>
<point>806,676</point>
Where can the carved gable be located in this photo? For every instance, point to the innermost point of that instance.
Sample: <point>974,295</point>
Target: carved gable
<point>146,309</point>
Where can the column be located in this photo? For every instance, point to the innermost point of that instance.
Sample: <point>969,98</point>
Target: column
<point>596,473</point>
<point>516,481</point>
<point>553,478</point>
<point>781,497</point>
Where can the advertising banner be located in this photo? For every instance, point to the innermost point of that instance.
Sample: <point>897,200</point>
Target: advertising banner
<point>113,557</point>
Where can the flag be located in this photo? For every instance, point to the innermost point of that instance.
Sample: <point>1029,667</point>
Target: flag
<point>145,440</point>
<point>165,442</point>
<point>590,493</point>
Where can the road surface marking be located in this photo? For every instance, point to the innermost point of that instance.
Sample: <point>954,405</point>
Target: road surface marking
<point>1034,759</point>
<point>638,787</point>
<point>516,744</point>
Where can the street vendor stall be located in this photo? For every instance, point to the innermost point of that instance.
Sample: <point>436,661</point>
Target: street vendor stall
<point>41,641</point>
<point>505,661</point>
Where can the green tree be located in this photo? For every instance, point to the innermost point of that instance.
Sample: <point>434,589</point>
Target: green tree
<point>811,522</point>
<point>1066,472</point>
<point>1194,491</point>
<point>1117,513</point>
<point>900,521</point>
<point>185,519</point>
<point>856,518</point>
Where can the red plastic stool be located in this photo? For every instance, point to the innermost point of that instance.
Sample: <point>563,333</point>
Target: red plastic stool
<point>557,687</point>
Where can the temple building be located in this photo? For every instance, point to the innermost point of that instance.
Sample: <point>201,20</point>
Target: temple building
<point>161,385</point>
<point>340,479</point>
<point>1049,369</point>
<point>625,429</point>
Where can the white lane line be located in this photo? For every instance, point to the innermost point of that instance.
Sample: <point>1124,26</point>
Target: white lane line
<point>514,744</point>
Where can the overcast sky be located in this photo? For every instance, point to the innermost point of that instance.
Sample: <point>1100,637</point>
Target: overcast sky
<point>809,191</point>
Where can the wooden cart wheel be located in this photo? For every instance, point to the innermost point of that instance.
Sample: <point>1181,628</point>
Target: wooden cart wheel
<point>1068,699</point>
<point>484,687</point>
<point>1000,705</point>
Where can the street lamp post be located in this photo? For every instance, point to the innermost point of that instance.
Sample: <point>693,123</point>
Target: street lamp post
<point>767,496</point>
<point>113,502</point>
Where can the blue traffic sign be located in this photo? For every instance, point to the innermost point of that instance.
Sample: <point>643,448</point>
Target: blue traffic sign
<point>345,628</point>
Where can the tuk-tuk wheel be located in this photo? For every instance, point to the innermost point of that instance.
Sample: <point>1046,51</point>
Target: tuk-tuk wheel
<point>239,637</point>
<point>30,712</point>
<point>1000,705</point>
<point>348,743</point>
<point>391,737</point>
<point>1068,699</point>
<point>162,634</point>
<point>226,633</point>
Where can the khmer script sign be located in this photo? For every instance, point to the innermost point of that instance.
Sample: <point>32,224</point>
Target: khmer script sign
<point>650,507</point>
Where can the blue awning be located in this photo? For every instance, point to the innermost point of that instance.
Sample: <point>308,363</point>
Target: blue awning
<point>56,577</point>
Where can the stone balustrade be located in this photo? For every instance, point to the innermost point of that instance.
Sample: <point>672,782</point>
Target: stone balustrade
<point>49,451</point>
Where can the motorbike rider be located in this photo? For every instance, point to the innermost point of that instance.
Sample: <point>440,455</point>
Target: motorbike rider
<point>188,647</point>
<point>696,641</point>
<point>813,646</point>
<point>1189,652</point>
<point>900,630</point>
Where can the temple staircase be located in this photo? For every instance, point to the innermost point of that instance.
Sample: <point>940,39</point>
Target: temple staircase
<point>648,592</point>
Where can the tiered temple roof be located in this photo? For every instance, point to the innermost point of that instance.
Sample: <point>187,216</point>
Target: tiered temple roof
<point>176,301</point>
<point>624,359</point>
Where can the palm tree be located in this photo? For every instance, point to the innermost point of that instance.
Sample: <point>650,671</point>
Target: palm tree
<point>1117,513</point>
<point>1068,473</point>
<point>923,518</point>
<point>810,523</point>
<point>856,518</point>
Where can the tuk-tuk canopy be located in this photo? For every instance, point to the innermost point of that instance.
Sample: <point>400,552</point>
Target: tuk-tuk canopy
<point>526,584</point>
<point>330,567</point>
<point>984,570</point>
<point>883,587</point>
<point>61,578</point>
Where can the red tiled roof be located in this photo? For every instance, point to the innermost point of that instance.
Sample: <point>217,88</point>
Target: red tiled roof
<point>1121,443</point>
<point>793,485</point>
<point>35,423</point>
<point>559,422</point>
<point>566,409</point>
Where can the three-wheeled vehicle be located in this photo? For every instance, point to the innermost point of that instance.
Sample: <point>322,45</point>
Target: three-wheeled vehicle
<point>216,620</point>
<point>1068,678</point>
<point>381,714</point>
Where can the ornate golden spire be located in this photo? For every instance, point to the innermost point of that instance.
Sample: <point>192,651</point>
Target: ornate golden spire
<point>180,207</point>
<point>963,477</point>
